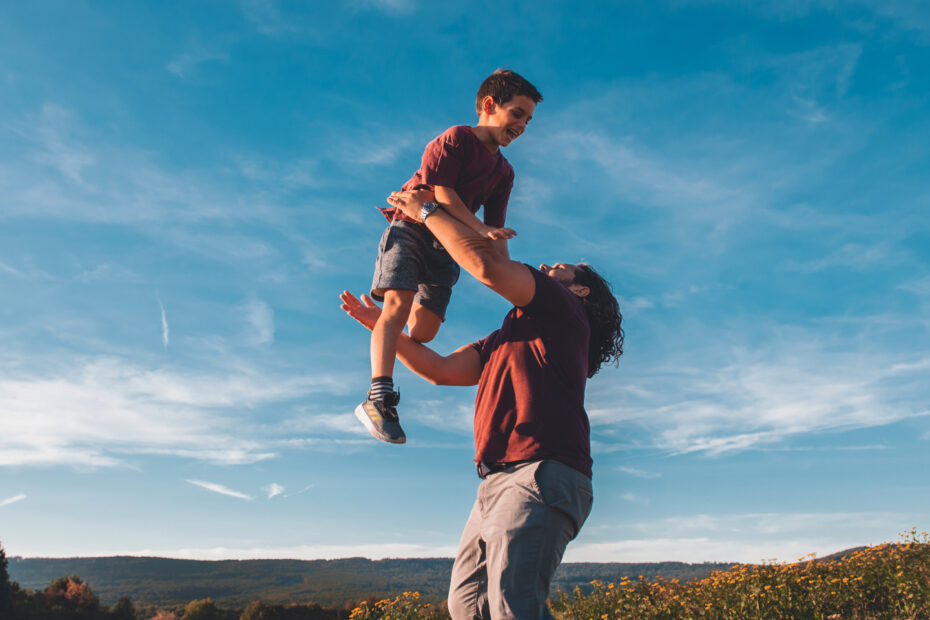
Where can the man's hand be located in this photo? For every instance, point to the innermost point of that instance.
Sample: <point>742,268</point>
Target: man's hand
<point>463,367</point>
<point>411,201</point>
<point>365,312</point>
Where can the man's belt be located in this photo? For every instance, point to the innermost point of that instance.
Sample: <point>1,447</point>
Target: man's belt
<point>486,469</point>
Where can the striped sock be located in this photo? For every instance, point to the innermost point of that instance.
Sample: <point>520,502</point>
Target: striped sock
<point>381,387</point>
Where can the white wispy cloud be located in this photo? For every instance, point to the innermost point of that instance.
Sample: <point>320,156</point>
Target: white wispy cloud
<point>165,332</point>
<point>59,149</point>
<point>919,286</point>
<point>810,111</point>
<point>387,6</point>
<point>95,411</point>
<point>742,537</point>
<point>61,168</point>
<point>107,272</point>
<point>296,552</point>
<point>758,398</point>
<point>10,270</point>
<point>328,422</point>
<point>639,473</point>
<point>647,179</point>
<point>300,492</point>
<point>634,304</point>
<point>268,18</point>
<point>260,318</point>
<point>218,488</point>
<point>12,500</point>
<point>456,413</point>
<point>855,256</point>
<point>185,65</point>
<point>273,490</point>
<point>908,16</point>
<point>276,490</point>
<point>388,147</point>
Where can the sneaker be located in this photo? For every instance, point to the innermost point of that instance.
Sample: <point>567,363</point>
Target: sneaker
<point>380,418</point>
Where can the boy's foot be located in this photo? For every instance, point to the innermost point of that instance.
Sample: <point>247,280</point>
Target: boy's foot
<point>380,418</point>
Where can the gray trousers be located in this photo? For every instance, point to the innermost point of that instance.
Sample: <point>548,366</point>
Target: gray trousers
<point>516,534</point>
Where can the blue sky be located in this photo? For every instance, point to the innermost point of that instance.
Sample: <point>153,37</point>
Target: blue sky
<point>185,188</point>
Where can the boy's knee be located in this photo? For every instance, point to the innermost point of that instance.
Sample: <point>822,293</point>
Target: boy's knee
<point>423,324</point>
<point>421,333</point>
<point>397,305</point>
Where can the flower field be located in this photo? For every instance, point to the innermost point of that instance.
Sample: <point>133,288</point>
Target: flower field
<point>889,581</point>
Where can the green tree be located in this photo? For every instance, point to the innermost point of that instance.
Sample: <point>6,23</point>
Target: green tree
<point>259,610</point>
<point>6,588</point>
<point>70,594</point>
<point>123,610</point>
<point>204,609</point>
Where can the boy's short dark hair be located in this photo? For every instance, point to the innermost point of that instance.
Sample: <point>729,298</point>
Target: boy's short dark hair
<point>503,85</point>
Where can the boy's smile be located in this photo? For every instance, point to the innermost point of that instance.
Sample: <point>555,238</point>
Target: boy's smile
<point>507,121</point>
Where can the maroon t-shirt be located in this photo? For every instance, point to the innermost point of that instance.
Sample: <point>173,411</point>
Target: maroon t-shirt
<point>530,402</point>
<point>458,159</point>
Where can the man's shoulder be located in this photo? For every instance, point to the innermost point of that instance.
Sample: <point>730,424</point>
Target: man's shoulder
<point>553,297</point>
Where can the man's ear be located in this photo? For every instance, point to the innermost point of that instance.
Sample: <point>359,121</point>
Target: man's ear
<point>580,290</point>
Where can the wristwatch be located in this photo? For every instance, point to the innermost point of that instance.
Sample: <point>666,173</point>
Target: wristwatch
<point>427,210</point>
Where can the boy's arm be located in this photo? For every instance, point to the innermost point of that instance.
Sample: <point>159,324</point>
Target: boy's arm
<point>511,280</point>
<point>495,211</point>
<point>451,202</point>
<point>462,367</point>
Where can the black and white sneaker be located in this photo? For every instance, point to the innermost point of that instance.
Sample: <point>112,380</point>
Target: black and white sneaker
<point>380,418</point>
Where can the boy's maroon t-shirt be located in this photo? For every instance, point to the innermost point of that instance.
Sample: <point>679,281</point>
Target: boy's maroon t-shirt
<point>458,159</point>
<point>530,402</point>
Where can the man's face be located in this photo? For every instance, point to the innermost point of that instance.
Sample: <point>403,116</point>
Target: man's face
<point>560,271</point>
<point>509,119</point>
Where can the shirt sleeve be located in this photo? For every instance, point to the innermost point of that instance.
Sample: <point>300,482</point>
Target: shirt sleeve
<point>482,347</point>
<point>442,160</point>
<point>552,298</point>
<point>495,209</point>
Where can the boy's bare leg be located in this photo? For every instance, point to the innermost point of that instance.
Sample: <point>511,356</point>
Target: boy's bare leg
<point>387,330</point>
<point>378,412</point>
<point>423,324</point>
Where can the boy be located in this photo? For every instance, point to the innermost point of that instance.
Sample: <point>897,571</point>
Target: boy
<point>414,275</point>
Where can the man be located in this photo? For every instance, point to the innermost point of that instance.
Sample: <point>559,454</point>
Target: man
<point>531,430</point>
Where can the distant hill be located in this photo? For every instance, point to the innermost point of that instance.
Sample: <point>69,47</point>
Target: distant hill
<point>235,583</point>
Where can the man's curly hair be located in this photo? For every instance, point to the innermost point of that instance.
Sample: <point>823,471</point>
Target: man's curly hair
<point>604,316</point>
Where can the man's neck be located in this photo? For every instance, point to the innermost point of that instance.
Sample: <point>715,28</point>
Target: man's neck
<point>483,133</point>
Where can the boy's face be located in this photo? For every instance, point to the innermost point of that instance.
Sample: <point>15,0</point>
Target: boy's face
<point>507,120</point>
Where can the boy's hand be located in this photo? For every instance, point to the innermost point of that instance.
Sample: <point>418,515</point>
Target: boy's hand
<point>366,314</point>
<point>499,233</point>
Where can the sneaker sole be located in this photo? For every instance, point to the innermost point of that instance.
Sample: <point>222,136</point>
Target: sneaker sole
<point>369,425</point>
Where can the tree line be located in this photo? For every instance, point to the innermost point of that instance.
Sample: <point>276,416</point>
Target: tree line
<point>70,598</point>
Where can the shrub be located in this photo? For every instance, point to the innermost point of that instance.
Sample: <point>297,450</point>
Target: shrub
<point>888,581</point>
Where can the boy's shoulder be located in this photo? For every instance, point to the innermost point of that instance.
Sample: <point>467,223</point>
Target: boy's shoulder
<point>457,133</point>
<point>463,137</point>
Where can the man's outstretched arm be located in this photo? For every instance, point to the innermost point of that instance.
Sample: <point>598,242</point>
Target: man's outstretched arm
<point>474,253</point>
<point>462,367</point>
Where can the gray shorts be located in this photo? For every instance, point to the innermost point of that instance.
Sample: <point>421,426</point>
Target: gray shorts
<point>410,259</point>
